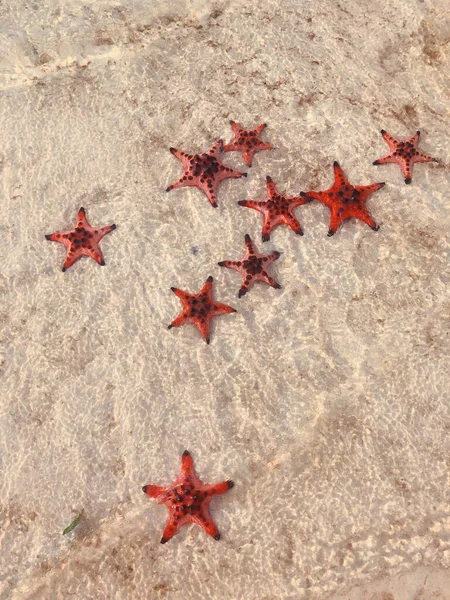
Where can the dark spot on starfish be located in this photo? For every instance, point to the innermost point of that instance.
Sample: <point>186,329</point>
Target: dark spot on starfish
<point>217,536</point>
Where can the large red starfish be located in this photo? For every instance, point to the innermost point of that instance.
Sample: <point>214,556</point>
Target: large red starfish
<point>252,267</point>
<point>247,141</point>
<point>187,499</point>
<point>404,154</point>
<point>277,208</point>
<point>82,240</point>
<point>199,309</point>
<point>345,200</point>
<point>204,171</point>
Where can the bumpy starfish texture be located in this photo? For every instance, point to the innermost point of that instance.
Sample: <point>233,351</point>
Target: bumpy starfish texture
<point>247,141</point>
<point>82,240</point>
<point>277,208</point>
<point>187,499</point>
<point>252,267</point>
<point>204,171</point>
<point>199,309</point>
<point>404,154</point>
<point>345,200</point>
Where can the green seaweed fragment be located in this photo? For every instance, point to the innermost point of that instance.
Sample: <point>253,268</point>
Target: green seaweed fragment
<point>74,523</point>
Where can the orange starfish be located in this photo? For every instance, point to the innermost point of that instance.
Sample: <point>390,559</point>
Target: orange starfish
<point>83,240</point>
<point>277,208</point>
<point>345,200</point>
<point>404,154</point>
<point>247,141</point>
<point>188,499</point>
<point>199,309</point>
<point>205,171</point>
<point>252,267</point>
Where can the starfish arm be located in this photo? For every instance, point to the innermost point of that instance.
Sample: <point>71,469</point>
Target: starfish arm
<point>262,146</point>
<point>154,491</point>
<point>216,148</point>
<point>234,126</point>
<point>389,139</point>
<point>367,218</point>
<point>71,258</point>
<point>59,237</point>
<point>419,157</point>
<point>414,140</point>
<point>203,327</point>
<point>97,255</point>
<point>230,264</point>
<point>102,231</point>
<point>340,179</point>
<point>182,182</point>
<point>250,245</point>
<point>366,190</point>
<point>210,193</point>
<point>207,523</point>
<point>264,276</point>
<point>231,147</point>
<point>248,155</point>
<point>383,161</point>
<point>207,288</point>
<point>248,282</point>
<point>271,257</point>
<point>170,530</point>
<point>222,309</point>
<point>293,223</point>
<point>320,196</point>
<point>183,296</point>
<point>81,219</point>
<point>268,227</point>
<point>260,128</point>
<point>228,173</point>
<point>335,223</point>
<point>187,466</point>
<point>218,488</point>
<point>182,156</point>
<point>180,320</point>
<point>259,206</point>
<point>270,187</point>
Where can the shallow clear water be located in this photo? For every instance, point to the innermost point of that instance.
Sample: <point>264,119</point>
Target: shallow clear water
<point>326,401</point>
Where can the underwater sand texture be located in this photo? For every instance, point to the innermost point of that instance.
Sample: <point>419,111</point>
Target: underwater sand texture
<point>326,402</point>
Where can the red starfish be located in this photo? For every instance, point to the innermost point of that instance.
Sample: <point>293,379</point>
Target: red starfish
<point>252,267</point>
<point>277,209</point>
<point>199,309</point>
<point>187,499</point>
<point>404,154</point>
<point>345,200</point>
<point>247,141</point>
<point>204,171</point>
<point>83,240</point>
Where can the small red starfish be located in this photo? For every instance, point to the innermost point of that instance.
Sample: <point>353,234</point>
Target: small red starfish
<point>83,240</point>
<point>199,309</point>
<point>247,141</point>
<point>277,208</point>
<point>187,499</point>
<point>345,200</point>
<point>204,171</point>
<point>252,267</point>
<point>404,154</point>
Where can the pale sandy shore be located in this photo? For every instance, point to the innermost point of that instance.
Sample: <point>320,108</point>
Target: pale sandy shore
<point>326,402</point>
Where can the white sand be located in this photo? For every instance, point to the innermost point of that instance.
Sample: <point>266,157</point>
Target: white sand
<point>326,402</point>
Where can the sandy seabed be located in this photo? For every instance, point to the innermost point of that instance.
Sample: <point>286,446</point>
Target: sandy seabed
<point>327,402</point>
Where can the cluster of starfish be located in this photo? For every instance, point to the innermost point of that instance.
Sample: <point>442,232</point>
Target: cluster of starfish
<point>188,498</point>
<point>206,171</point>
<point>344,200</point>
